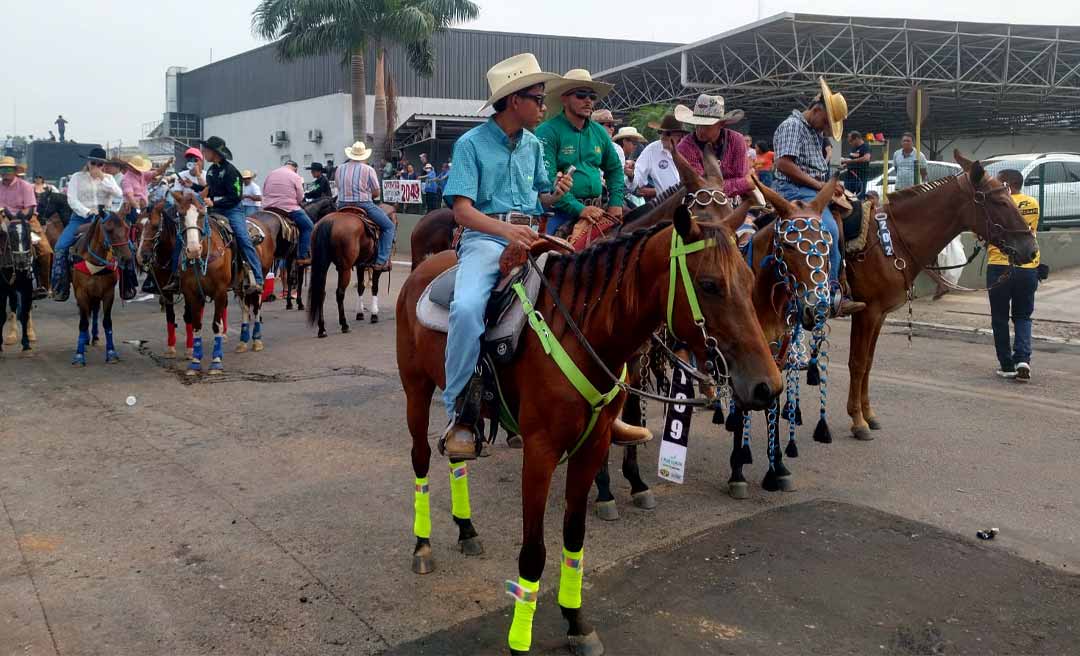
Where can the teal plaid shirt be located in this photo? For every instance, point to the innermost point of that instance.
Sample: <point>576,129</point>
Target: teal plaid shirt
<point>499,174</point>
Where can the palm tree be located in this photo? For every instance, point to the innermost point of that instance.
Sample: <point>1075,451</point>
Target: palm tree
<point>307,28</point>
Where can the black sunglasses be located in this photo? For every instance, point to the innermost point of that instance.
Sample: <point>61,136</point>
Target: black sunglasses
<point>582,94</point>
<point>97,163</point>
<point>538,98</point>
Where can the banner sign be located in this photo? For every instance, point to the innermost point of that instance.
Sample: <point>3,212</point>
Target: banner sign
<point>672,465</point>
<point>402,191</point>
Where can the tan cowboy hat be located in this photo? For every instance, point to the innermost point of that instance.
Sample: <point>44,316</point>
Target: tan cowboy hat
<point>139,163</point>
<point>603,116</point>
<point>246,174</point>
<point>515,74</point>
<point>20,170</point>
<point>708,110</point>
<point>835,107</point>
<point>7,163</point>
<point>358,152</point>
<point>575,78</point>
<point>629,132</point>
<point>668,124</point>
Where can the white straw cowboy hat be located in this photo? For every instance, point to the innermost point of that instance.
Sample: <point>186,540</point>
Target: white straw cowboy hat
<point>835,107</point>
<point>603,116</point>
<point>515,74</point>
<point>358,152</point>
<point>575,78</point>
<point>629,132</point>
<point>139,163</point>
<point>7,162</point>
<point>247,174</point>
<point>708,110</point>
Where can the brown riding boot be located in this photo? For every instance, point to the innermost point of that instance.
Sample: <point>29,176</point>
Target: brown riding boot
<point>624,434</point>
<point>459,442</point>
<point>848,306</point>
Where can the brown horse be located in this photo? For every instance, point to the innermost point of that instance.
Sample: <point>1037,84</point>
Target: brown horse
<point>206,272</point>
<point>154,255</point>
<point>294,275</point>
<point>617,292</point>
<point>16,277</point>
<point>103,247</point>
<point>921,221</point>
<point>341,239</point>
<point>434,233</point>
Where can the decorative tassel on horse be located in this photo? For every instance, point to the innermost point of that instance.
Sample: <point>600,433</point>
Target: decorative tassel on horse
<point>821,432</point>
<point>718,413</point>
<point>747,452</point>
<point>734,418</point>
<point>813,374</point>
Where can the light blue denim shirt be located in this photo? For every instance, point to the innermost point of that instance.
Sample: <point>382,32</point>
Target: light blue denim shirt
<point>498,173</point>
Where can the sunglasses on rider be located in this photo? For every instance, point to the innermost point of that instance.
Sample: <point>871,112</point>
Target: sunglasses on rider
<point>584,94</point>
<point>96,164</point>
<point>538,98</point>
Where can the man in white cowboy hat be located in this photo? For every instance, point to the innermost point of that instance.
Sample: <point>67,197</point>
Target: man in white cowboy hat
<point>358,186</point>
<point>654,169</point>
<point>710,119</point>
<point>572,138</point>
<point>250,192</point>
<point>802,170</point>
<point>627,141</point>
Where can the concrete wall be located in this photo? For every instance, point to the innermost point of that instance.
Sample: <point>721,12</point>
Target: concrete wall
<point>1060,249</point>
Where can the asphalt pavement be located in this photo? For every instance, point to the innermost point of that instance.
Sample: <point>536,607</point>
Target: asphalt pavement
<point>269,511</point>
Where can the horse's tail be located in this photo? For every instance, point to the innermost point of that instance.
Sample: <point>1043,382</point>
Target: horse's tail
<point>322,251</point>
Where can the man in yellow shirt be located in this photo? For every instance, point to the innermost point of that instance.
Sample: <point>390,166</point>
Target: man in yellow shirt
<point>1015,296</point>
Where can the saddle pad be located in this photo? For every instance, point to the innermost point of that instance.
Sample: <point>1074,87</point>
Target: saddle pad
<point>433,310</point>
<point>289,231</point>
<point>856,227</point>
<point>92,269</point>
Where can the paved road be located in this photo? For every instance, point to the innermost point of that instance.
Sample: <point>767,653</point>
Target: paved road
<point>269,510</point>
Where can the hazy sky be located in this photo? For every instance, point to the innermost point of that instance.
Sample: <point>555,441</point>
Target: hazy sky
<point>52,46</point>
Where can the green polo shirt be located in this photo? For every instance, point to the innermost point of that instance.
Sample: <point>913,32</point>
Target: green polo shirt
<point>589,149</point>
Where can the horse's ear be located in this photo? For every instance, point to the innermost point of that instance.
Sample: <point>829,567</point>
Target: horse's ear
<point>683,221</point>
<point>177,196</point>
<point>712,165</point>
<point>976,173</point>
<point>734,220</point>
<point>779,203</point>
<point>821,201</point>
<point>964,162</point>
<point>689,177</point>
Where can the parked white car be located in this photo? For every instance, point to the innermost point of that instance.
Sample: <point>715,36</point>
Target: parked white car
<point>934,171</point>
<point>1051,178</point>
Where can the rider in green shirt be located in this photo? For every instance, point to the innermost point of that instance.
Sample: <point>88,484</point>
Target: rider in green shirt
<point>571,138</point>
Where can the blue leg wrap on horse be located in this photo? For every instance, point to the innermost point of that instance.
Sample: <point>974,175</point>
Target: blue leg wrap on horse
<point>217,347</point>
<point>257,333</point>
<point>244,335</point>
<point>84,338</point>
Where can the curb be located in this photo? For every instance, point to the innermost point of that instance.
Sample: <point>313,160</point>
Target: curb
<point>983,335</point>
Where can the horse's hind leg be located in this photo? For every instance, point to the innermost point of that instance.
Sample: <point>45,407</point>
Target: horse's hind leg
<point>375,296</point>
<point>868,412</point>
<point>26,299</point>
<point>79,359</point>
<point>640,493</point>
<point>245,326</point>
<point>360,289</point>
<point>344,275</point>
<point>94,339</point>
<point>111,356</point>
<point>300,288</point>
<point>606,508</point>
<point>418,391</point>
<point>221,302</point>
<point>256,329</point>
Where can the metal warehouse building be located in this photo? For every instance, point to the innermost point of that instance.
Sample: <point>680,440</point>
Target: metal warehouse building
<point>269,111</point>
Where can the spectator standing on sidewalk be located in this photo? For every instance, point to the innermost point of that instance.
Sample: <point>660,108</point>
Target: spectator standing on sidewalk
<point>1015,296</point>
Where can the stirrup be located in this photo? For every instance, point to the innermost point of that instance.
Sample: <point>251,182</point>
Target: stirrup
<point>463,428</point>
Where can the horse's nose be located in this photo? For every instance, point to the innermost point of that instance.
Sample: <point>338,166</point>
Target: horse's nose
<point>762,395</point>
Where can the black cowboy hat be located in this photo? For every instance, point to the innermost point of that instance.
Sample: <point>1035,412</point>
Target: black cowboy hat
<point>315,166</point>
<point>669,124</point>
<point>217,144</point>
<point>96,155</point>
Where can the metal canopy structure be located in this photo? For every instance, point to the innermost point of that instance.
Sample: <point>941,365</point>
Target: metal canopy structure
<point>979,77</point>
<point>426,127</point>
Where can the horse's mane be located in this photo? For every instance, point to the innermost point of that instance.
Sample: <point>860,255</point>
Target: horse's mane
<point>919,190</point>
<point>602,267</point>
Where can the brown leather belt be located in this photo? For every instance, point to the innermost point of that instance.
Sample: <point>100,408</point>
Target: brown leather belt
<point>516,218</point>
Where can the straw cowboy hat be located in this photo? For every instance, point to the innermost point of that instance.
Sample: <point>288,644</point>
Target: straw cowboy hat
<point>7,163</point>
<point>515,74</point>
<point>668,124</point>
<point>708,110</point>
<point>358,152</point>
<point>139,163</point>
<point>247,174</point>
<point>628,132</point>
<point>20,170</point>
<point>603,116</point>
<point>575,78</point>
<point>835,107</point>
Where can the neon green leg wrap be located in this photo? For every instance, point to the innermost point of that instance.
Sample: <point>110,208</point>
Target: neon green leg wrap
<point>570,576</point>
<point>459,490</point>
<point>422,508</point>
<point>525,592</point>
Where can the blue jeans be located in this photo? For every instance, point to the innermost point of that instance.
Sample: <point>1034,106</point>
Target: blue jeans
<point>64,243</point>
<point>386,227</point>
<point>557,221</point>
<point>1016,298</point>
<point>792,191</point>
<point>238,222</point>
<point>250,209</point>
<point>303,222</point>
<point>477,274</point>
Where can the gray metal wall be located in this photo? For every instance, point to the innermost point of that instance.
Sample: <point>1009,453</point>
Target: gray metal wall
<point>258,79</point>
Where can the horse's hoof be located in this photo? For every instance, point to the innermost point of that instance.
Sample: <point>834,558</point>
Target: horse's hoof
<point>242,347</point>
<point>345,328</point>
<point>322,334</point>
<point>187,354</point>
<point>471,546</point>
<point>738,490</point>
<point>27,352</point>
<point>95,341</point>
<point>422,561</point>
<point>216,369</point>
<point>79,360</point>
<point>485,450</point>
<point>873,423</point>
<point>862,433</point>
<point>645,499</point>
<point>170,353</point>
<point>111,357</point>
<point>607,510</point>
<point>300,307</point>
<point>785,483</point>
<point>193,371</point>
<point>257,346</point>
<point>515,442</point>
<point>359,316</point>
<point>586,645</point>
<point>374,318</point>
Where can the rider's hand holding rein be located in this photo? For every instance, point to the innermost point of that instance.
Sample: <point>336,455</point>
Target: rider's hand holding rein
<point>470,218</point>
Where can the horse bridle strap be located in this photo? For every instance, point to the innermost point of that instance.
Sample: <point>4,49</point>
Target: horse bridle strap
<point>679,268</point>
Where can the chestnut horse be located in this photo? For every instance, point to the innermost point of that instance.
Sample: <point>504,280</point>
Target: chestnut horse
<point>340,239</point>
<point>921,221</point>
<point>434,233</point>
<point>294,275</point>
<point>154,255</point>
<point>103,247</point>
<point>618,293</point>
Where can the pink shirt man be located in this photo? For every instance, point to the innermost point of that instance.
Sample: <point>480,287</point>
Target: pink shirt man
<point>17,196</point>
<point>134,184</point>
<point>733,165</point>
<point>283,189</point>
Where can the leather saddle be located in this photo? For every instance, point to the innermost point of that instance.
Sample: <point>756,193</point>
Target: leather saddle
<point>289,231</point>
<point>255,231</point>
<point>855,226</point>
<point>370,227</point>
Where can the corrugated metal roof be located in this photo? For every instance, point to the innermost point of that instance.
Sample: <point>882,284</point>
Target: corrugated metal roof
<point>257,78</point>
